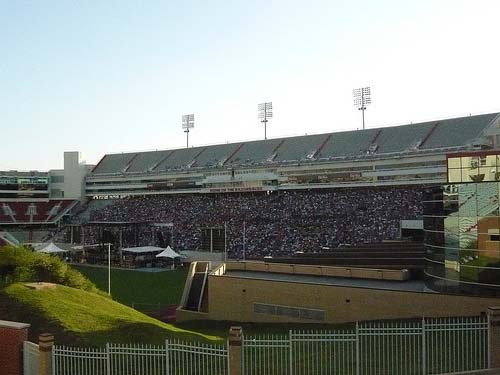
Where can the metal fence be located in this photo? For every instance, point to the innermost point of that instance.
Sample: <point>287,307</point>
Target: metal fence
<point>30,358</point>
<point>428,346</point>
<point>174,358</point>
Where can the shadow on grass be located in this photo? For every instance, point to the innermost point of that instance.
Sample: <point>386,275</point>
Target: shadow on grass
<point>13,310</point>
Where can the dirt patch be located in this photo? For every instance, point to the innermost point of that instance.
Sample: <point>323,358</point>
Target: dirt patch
<point>40,285</point>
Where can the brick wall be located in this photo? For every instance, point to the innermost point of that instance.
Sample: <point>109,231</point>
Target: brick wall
<point>12,335</point>
<point>233,298</point>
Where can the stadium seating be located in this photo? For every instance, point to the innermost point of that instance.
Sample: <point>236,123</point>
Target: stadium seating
<point>280,223</point>
<point>33,212</point>
<point>299,148</point>
<point>179,159</point>
<point>391,139</point>
<point>215,155</point>
<point>347,144</point>
<point>455,133</point>
<point>114,163</point>
<point>145,161</point>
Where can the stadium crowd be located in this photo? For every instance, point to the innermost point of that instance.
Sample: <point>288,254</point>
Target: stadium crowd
<point>277,223</point>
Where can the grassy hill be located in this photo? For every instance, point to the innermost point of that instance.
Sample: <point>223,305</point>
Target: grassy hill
<point>78,317</point>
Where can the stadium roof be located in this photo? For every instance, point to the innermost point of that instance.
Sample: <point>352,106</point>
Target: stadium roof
<point>450,134</point>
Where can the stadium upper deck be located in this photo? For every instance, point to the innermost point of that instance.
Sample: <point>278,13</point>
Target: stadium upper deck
<point>450,134</point>
<point>399,155</point>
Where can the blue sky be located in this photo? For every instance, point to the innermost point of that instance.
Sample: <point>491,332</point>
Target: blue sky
<point>112,76</point>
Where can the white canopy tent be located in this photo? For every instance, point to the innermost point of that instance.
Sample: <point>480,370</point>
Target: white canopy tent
<point>168,253</point>
<point>51,248</point>
<point>142,249</point>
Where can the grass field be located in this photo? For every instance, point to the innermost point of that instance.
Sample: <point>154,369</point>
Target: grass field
<point>132,287</point>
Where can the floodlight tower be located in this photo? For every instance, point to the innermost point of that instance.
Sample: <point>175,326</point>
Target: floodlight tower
<point>362,98</point>
<point>265,111</point>
<point>187,124</point>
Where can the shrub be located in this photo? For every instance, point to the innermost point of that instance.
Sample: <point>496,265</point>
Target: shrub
<point>19,264</point>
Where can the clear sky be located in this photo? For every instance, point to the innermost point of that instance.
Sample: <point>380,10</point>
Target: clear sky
<point>113,76</point>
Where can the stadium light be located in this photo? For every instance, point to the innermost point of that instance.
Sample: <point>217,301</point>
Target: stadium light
<point>362,98</point>
<point>265,112</point>
<point>187,124</point>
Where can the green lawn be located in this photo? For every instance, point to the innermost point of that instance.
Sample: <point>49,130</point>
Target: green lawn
<point>91,318</point>
<point>139,288</point>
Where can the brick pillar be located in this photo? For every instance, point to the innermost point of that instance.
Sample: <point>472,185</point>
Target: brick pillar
<point>45,343</point>
<point>12,335</point>
<point>234,348</point>
<point>494,344</point>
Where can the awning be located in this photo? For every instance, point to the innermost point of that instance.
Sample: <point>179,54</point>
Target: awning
<point>168,253</point>
<point>142,249</point>
<point>51,248</point>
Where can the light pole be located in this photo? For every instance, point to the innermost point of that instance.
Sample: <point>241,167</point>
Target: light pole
<point>225,241</point>
<point>109,268</point>
<point>265,112</point>
<point>244,241</point>
<point>187,124</point>
<point>362,98</point>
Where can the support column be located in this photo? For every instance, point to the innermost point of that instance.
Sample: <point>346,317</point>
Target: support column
<point>234,350</point>
<point>45,344</point>
<point>12,336</point>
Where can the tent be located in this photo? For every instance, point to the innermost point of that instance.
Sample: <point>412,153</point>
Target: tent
<point>168,253</point>
<point>142,249</point>
<point>51,248</point>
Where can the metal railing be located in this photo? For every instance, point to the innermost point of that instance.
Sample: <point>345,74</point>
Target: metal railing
<point>428,346</point>
<point>174,358</point>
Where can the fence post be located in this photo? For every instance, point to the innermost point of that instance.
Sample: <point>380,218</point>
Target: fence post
<point>424,349</point>
<point>167,355</point>
<point>12,336</point>
<point>45,346</point>
<point>357,349</point>
<point>108,359</point>
<point>234,350</point>
<point>290,349</point>
<point>494,337</point>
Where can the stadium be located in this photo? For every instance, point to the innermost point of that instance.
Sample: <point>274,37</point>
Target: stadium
<point>367,210</point>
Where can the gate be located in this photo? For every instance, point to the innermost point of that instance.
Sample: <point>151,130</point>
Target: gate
<point>30,358</point>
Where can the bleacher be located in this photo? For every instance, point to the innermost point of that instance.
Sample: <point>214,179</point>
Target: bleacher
<point>299,148</point>
<point>348,144</point>
<point>411,136</point>
<point>33,212</point>
<point>215,155</point>
<point>178,159</point>
<point>459,131</point>
<point>146,160</point>
<point>451,134</point>
<point>257,152</point>
<point>114,163</point>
